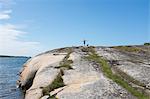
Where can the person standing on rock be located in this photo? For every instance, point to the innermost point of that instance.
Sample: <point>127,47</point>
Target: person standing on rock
<point>84,42</point>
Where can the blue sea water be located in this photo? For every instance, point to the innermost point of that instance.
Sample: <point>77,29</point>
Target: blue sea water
<point>9,68</point>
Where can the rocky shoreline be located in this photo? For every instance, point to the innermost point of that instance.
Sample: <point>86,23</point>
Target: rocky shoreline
<point>66,73</point>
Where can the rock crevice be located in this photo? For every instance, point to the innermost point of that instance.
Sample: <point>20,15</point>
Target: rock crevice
<point>66,73</point>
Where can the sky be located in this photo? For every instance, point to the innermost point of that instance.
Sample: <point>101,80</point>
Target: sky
<point>29,27</point>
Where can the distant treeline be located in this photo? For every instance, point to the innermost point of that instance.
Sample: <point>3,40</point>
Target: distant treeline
<point>146,43</point>
<point>14,56</point>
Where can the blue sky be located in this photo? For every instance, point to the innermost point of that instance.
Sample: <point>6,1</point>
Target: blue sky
<point>33,26</point>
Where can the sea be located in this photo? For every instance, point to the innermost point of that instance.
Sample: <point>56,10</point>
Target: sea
<point>9,69</point>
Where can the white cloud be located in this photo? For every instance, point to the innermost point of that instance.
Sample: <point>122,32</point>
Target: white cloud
<point>5,14</point>
<point>6,3</point>
<point>11,43</point>
<point>4,6</point>
<point>12,40</point>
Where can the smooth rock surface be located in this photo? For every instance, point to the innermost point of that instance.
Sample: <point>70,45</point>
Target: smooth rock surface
<point>134,64</point>
<point>86,80</point>
<point>42,67</point>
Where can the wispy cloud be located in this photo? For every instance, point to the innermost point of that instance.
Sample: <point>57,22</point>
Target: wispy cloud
<point>6,3</point>
<point>5,14</point>
<point>5,9</point>
<point>11,43</point>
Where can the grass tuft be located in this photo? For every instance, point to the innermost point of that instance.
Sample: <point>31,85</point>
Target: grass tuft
<point>128,48</point>
<point>87,49</point>
<point>127,77</point>
<point>57,83</point>
<point>116,78</point>
<point>65,63</point>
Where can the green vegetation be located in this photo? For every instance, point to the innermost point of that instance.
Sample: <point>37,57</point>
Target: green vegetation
<point>127,77</point>
<point>128,48</point>
<point>87,49</point>
<point>65,63</point>
<point>52,97</point>
<point>116,78</point>
<point>57,83</point>
<point>146,43</point>
<point>64,50</point>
